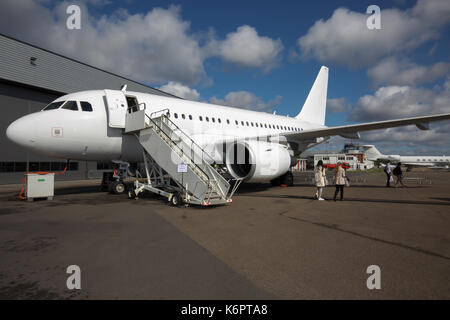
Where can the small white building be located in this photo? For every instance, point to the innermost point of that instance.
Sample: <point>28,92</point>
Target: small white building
<point>300,166</point>
<point>356,161</point>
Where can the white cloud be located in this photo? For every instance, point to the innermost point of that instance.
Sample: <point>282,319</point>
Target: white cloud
<point>402,101</point>
<point>246,100</point>
<point>180,90</point>
<point>345,39</point>
<point>392,71</point>
<point>246,48</point>
<point>153,47</point>
<point>405,101</point>
<point>338,105</point>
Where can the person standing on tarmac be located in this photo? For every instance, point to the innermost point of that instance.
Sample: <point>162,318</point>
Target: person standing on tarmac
<point>388,172</point>
<point>319,177</point>
<point>398,173</point>
<point>339,180</point>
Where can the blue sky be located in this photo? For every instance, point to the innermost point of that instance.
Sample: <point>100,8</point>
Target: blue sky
<point>265,55</point>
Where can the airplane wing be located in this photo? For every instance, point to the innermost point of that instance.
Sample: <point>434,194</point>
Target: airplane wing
<point>420,122</point>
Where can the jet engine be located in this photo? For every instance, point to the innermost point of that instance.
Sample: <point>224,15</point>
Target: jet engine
<point>258,161</point>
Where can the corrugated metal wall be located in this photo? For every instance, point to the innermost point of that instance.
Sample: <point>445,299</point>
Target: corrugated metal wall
<point>53,72</point>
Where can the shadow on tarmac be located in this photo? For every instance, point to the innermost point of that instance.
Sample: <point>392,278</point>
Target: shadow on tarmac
<point>357,199</point>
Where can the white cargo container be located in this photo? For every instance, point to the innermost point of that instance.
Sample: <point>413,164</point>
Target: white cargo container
<point>40,186</point>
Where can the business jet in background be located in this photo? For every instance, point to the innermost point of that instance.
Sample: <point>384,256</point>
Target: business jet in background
<point>89,125</point>
<point>433,162</point>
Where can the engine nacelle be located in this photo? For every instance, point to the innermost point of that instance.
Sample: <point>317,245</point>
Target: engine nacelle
<point>258,161</point>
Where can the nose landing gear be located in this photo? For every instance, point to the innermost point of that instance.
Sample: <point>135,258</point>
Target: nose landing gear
<point>117,187</point>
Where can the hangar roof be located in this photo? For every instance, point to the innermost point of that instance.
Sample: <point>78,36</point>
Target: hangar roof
<point>29,65</point>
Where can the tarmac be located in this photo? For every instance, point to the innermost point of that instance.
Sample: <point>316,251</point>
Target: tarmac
<point>270,243</point>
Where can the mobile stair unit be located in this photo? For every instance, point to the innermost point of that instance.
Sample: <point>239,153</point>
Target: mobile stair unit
<point>176,166</point>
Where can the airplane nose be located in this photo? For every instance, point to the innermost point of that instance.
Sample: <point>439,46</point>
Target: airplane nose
<point>21,132</point>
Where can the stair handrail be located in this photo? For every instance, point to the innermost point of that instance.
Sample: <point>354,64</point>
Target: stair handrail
<point>203,152</point>
<point>181,151</point>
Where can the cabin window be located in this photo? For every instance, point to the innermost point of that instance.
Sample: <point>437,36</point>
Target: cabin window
<point>247,123</point>
<point>86,106</point>
<point>70,105</point>
<point>251,123</point>
<point>265,125</point>
<point>228,121</point>
<point>235,121</point>
<point>183,116</point>
<point>53,105</point>
<point>207,119</point>
<point>190,117</point>
<point>213,120</point>
<point>242,122</point>
<point>176,115</point>
<point>219,121</point>
<point>200,118</point>
<point>256,124</point>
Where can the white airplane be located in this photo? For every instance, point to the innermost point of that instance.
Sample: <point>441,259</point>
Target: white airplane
<point>436,162</point>
<point>89,125</point>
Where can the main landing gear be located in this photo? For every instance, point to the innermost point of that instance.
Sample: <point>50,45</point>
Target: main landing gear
<point>286,179</point>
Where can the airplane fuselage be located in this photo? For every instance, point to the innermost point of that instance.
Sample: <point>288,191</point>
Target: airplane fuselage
<point>87,135</point>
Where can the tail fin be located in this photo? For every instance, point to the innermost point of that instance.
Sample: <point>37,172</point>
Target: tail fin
<point>315,105</point>
<point>371,152</point>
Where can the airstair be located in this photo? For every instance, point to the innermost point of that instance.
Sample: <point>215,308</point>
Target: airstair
<point>176,167</point>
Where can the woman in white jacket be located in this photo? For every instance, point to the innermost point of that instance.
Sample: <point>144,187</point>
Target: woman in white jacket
<point>319,177</point>
<point>339,180</point>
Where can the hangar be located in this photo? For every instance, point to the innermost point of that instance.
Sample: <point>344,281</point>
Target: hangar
<point>30,78</point>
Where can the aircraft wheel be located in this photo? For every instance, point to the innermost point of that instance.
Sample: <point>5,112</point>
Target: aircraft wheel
<point>275,182</point>
<point>288,179</point>
<point>117,187</point>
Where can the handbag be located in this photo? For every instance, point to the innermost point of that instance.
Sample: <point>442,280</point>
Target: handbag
<point>347,182</point>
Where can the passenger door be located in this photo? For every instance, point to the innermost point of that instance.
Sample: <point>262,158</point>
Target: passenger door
<point>117,108</point>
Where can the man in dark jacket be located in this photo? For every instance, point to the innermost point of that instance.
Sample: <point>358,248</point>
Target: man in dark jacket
<point>398,173</point>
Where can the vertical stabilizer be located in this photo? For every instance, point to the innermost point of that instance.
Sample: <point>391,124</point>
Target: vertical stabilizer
<point>315,105</point>
<point>371,152</point>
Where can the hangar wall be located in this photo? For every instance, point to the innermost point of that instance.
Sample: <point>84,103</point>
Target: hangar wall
<point>16,101</point>
<point>32,77</point>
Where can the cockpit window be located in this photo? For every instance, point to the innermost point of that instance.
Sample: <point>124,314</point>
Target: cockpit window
<point>70,105</point>
<point>53,105</point>
<point>86,106</point>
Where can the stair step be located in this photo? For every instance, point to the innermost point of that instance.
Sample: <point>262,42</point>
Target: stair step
<point>217,187</point>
